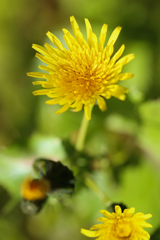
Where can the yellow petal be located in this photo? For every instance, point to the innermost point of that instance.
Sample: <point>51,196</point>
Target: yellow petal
<point>101,219</point>
<point>40,49</point>
<point>114,80</point>
<point>74,104</point>
<point>146,225</point>
<point>41,92</point>
<point>106,214</point>
<point>147,216</point>
<point>118,88</point>
<point>47,60</point>
<point>89,233</point>
<point>63,101</point>
<point>102,104</point>
<point>44,84</point>
<point>110,50</point>
<point>47,69</point>
<point>53,101</point>
<point>125,76</point>
<point>87,110</point>
<point>47,85</point>
<point>107,95</point>
<point>126,59</point>
<point>145,235</point>
<point>118,53</point>
<point>94,41</point>
<point>38,75</point>
<point>129,212</point>
<point>38,82</point>
<point>141,216</point>
<point>102,37</point>
<point>118,209</point>
<point>54,94</point>
<point>77,33</point>
<point>114,36</point>
<point>54,90</point>
<point>69,39</point>
<point>79,107</point>
<point>89,32</point>
<point>96,226</point>
<point>53,51</point>
<point>63,109</point>
<point>68,42</point>
<point>55,41</point>
<point>119,91</point>
<point>74,25</point>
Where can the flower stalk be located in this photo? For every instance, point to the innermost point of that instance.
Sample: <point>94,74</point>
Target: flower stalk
<point>82,134</point>
<point>93,186</point>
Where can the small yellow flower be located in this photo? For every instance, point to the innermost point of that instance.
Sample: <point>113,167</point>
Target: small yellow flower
<point>83,74</point>
<point>120,226</point>
<point>35,189</point>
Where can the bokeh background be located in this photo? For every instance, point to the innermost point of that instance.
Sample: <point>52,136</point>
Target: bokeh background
<point>122,150</point>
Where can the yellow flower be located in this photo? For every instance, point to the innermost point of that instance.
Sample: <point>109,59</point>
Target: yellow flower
<point>120,226</point>
<point>83,74</point>
<point>35,189</point>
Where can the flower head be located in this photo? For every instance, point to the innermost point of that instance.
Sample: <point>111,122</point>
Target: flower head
<point>120,225</point>
<point>83,74</point>
<point>61,178</point>
<point>35,189</point>
<point>54,179</point>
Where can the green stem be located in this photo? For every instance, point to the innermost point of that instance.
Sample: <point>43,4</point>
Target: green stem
<point>92,185</point>
<point>82,134</point>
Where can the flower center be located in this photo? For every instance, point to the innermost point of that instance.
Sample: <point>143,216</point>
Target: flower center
<point>83,73</point>
<point>123,230</point>
<point>35,189</point>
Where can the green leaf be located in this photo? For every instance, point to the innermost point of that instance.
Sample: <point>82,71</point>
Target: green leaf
<point>150,113</point>
<point>47,146</point>
<point>149,132</point>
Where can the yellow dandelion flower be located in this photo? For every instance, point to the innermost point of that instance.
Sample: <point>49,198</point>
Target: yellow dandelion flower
<point>83,74</point>
<point>120,225</point>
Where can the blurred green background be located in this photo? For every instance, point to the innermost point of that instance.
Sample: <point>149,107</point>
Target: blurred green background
<point>122,153</point>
